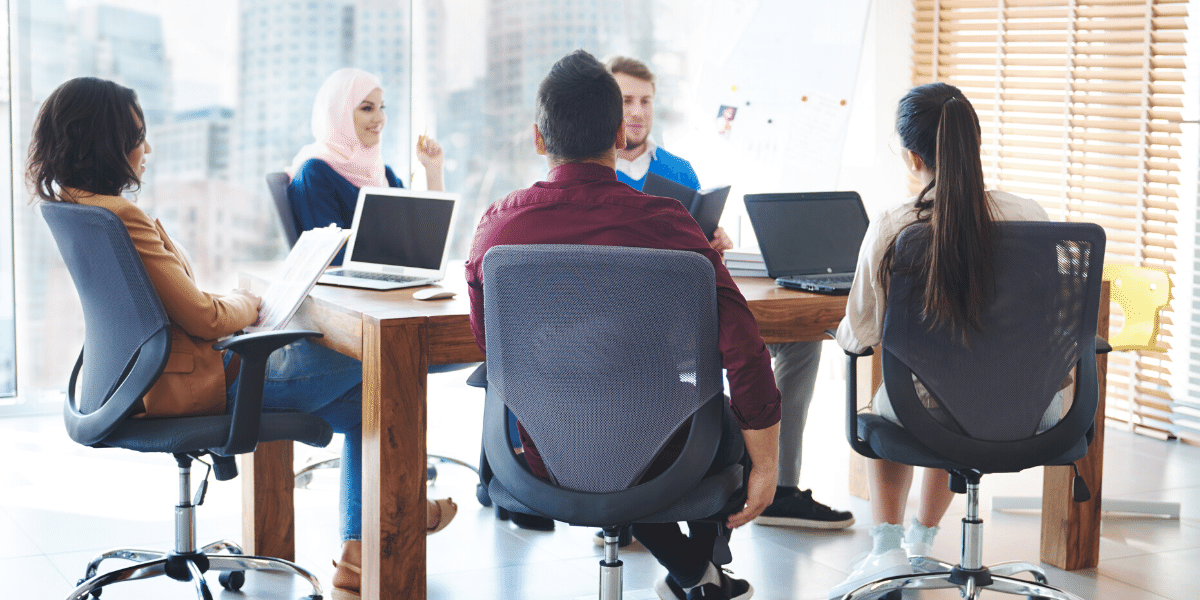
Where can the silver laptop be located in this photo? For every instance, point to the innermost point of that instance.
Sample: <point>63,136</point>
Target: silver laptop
<point>809,240</point>
<point>399,238</point>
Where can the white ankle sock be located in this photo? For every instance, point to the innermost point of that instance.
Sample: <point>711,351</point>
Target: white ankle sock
<point>919,535</point>
<point>886,536</point>
<point>712,575</point>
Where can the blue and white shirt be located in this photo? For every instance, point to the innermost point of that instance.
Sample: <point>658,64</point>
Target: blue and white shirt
<point>658,161</point>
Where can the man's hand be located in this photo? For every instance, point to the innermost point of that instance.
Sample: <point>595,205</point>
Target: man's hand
<point>720,241</point>
<point>760,493</point>
<point>763,447</point>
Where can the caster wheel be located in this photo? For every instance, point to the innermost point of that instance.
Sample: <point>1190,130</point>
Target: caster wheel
<point>232,580</point>
<point>481,494</point>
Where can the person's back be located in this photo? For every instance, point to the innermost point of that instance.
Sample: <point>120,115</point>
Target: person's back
<point>579,128</point>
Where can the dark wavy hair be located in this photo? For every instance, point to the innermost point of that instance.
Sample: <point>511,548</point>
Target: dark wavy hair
<point>937,123</point>
<point>579,108</point>
<point>82,138</point>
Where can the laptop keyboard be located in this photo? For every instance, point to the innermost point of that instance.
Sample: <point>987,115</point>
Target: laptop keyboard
<point>824,280</point>
<point>375,276</point>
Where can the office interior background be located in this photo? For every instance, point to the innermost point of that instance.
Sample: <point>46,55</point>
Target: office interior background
<point>227,87</point>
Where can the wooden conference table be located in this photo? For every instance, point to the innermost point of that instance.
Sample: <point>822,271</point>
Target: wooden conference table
<point>397,338</point>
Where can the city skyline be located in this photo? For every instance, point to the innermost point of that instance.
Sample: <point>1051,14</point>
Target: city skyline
<point>228,94</point>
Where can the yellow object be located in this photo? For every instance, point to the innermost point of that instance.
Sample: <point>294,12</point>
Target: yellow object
<point>1141,292</point>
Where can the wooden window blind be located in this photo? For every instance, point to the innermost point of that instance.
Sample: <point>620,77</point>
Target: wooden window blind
<point>1080,102</point>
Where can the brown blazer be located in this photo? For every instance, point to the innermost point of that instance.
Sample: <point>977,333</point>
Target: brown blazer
<point>193,382</point>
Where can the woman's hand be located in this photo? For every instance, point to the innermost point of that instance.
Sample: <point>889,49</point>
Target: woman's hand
<point>429,154</point>
<point>251,295</point>
<point>431,157</point>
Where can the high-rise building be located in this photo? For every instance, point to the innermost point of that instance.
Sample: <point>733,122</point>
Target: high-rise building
<point>127,47</point>
<point>44,44</point>
<point>286,50</point>
<point>526,37</point>
<point>194,199</point>
<point>381,47</point>
<point>196,144</point>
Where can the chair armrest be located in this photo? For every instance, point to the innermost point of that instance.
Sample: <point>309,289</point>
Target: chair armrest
<point>867,352</point>
<point>246,408</point>
<point>856,443</point>
<point>1102,346</point>
<point>478,377</point>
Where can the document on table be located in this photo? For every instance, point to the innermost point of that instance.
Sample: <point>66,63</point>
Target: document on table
<point>308,259</point>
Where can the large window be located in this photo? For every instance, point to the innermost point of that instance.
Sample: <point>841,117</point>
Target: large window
<point>786,66</point>
<point>227,87</point>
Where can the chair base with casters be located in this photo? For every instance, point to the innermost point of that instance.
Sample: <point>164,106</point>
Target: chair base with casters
<point>305,474</point>
<point>187,562</point>
<point>970,576</point>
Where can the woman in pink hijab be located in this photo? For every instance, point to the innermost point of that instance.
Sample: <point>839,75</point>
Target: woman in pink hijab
<point>347,122</point>
<point>348,119</point>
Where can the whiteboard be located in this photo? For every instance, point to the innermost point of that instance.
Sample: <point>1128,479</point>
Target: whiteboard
<point>788,68</point>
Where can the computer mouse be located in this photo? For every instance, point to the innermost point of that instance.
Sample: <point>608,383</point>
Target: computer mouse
<point>434,293</point>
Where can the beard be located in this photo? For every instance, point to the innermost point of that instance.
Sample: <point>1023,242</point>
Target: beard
<point>632,145</point>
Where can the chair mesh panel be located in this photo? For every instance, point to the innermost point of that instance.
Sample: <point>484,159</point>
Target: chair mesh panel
<point>998,385</point>
<point>601,352</point>
<point>120,309</point>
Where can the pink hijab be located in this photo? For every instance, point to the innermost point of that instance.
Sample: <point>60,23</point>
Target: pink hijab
<point>333,127</point>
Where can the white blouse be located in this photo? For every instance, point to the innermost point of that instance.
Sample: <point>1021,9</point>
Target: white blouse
<point>863,326</point>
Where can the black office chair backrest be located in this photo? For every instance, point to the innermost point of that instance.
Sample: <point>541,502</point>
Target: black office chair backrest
<point>127,335</point>
<point>1038,324</point>
<point>278,184</point>
<point>602,353</point>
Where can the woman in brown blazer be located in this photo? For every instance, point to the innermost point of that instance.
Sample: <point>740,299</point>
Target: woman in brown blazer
<point>89,146</point>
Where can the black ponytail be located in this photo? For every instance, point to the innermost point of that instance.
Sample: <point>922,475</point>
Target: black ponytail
<point>937,123</point>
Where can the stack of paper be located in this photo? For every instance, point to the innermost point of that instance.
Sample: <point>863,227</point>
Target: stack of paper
<point>745,262</point>
<point>308,259</point>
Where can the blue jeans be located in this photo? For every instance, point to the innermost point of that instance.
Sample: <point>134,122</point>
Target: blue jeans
<point>304,377</point>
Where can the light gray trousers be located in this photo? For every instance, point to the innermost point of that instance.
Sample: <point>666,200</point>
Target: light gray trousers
<point>796,375</point>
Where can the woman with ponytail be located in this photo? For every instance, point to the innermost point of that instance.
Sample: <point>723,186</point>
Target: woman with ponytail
<point>940,134</point>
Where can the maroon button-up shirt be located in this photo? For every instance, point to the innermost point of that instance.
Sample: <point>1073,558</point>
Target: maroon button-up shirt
<point>583,203</point>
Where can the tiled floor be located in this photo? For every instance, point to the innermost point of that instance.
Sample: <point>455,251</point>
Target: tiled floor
<point>61,503</point>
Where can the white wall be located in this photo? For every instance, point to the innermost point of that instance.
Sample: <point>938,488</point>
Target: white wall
<point>884,75</point>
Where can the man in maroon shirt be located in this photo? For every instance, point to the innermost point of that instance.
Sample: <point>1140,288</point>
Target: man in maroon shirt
<point>579,129</point>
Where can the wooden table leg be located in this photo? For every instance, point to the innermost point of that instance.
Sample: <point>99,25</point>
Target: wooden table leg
<point>395,357</point>
<point>268,491</point>
<point>1071,530</point>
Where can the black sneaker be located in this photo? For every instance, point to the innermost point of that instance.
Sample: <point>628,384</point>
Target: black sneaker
<point>728,589</point>
<point>796,508</point>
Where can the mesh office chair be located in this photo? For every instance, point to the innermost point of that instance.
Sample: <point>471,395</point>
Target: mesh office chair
<point>127,344</point>
<point>1040,324</point>
<point>277,184</point>
<point>603,354</point>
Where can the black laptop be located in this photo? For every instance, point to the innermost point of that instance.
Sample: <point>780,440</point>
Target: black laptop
<point>705,206</point>
<point>809,240</point>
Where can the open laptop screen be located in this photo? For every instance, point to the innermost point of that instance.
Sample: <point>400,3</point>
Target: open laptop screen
<point>402,231</point>
<point>808,233</point>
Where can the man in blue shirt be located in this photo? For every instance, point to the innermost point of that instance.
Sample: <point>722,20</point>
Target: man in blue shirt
<point>795,364</point>
<point>641,155</point>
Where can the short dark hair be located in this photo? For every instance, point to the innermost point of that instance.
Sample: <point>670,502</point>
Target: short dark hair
<point>631,67</point>
<point>82,138</point>
<point>579,108</point>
